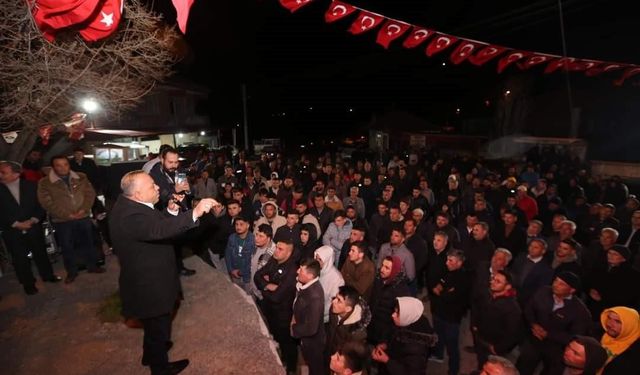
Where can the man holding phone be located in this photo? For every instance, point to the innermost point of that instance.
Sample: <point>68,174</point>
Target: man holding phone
<point>174,188</point>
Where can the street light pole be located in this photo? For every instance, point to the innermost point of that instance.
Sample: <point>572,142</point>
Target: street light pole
<point>245,117</point>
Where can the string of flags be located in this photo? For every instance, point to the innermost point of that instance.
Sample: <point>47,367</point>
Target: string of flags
<point>75,128</point>
<point>475,52</point>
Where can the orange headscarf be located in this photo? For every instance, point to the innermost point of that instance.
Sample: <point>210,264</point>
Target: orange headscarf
<point>628,335</point>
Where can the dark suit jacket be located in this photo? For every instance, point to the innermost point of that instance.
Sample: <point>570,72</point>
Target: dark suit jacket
<point>540,275</point>
<point>11,212</point>
<point>149,283</point>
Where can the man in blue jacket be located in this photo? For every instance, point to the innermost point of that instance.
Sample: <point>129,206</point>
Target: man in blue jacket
<point>240,248</point>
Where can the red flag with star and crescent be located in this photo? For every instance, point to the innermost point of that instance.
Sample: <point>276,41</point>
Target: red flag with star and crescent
<point>604,68</point>
<point>464,50</point>
<point>292,5</point>
<point>105,22</point>
<point>45,133</point>
<point>486,54</point>
<point>417,36</point>
<point>365,22</point>
<point>510,58</point>
<point>628,73</point>
<point>391,31</point>
<point>338,10</point>
<point>53,15</point>
<point>439,43</point>
<point>535,59</point>
<point>580,65</point>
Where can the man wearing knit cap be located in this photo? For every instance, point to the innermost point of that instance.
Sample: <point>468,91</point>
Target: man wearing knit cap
<point>554,315</point>
<point>613,283</point>
<point>583,356</point>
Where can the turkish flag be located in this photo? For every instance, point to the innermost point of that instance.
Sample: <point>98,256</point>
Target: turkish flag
<point>417,36</point>
<point>182,12</point>
<point>580,65</point>
<point>510,58</point>
<point>535,59</point>
<point>604,68</point>
<point>486,54</point>
<point>628,73</point>
<point>391,31</point>
<point>292,5</point>
<point>440,43</point>
<point>365,22</point>
<point>338,10</point>
<point>53,15</point>
<point>558,64</point>
<point>464,50</point>
<point>105,22</point>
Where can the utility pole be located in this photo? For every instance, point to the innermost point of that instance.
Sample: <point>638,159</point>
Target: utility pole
<point>245,117</point>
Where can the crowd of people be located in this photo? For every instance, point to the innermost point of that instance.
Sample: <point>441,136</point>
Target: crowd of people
<point>342,255</point>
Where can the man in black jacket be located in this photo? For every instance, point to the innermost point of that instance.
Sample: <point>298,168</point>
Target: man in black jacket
<point>554,315</point>
<point>497,320</point>
<point>149,283</point>
<point>164,175</point>
<point>20,222</point>
<point>479,248</point>
<point>449,303</point>
<point>308,316</point>
<point>277,281</point>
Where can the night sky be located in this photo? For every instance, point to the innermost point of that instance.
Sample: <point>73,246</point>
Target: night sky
<point>315,72</point>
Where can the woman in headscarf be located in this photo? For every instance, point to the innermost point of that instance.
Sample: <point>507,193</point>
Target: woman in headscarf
<point>621,340</point>
<point>390,284</point>
<point>407,351</point>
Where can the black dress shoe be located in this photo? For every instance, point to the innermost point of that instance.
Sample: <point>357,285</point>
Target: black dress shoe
<point>70,278</point>
<point>187,272</point>
<point>177,366</point>
<point>30,289</point>
<point>53,279</point>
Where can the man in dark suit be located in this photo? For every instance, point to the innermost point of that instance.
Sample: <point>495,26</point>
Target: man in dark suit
<point>20,223</point>
<point>149,281</point>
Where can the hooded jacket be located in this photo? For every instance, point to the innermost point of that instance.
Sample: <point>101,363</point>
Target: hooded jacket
<point>277,222</point>
<point>306,251</point>
<point>336,237</point>
<point>383,299</point>
<point>408,348</point>
<point>352,328</point>
<point>624,350</point>
<point>330,278</point>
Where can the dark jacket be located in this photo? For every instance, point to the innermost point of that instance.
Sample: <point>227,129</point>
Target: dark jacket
<point>27,208</point>
<point>166,183</point>
<point>564,323</point>
<point>625,363</point>
<point>308,312</point>
<point>352,328</point>
<point>409,348</point>
<point>617,287</point>
<point>498,322</point>
<point>149,282</point>
<point>477,251</point>
<point>516,241</point>
<point>289,234</point>
<point>306,251</point>
<point>324,219</point>
<point>453,301</point>
<point>277,305</point>
<point>419,249</point>
<point>383,301</point>
<point>527,285</point>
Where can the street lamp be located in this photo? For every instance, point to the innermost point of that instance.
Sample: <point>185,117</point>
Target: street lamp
<point>90,105</point>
